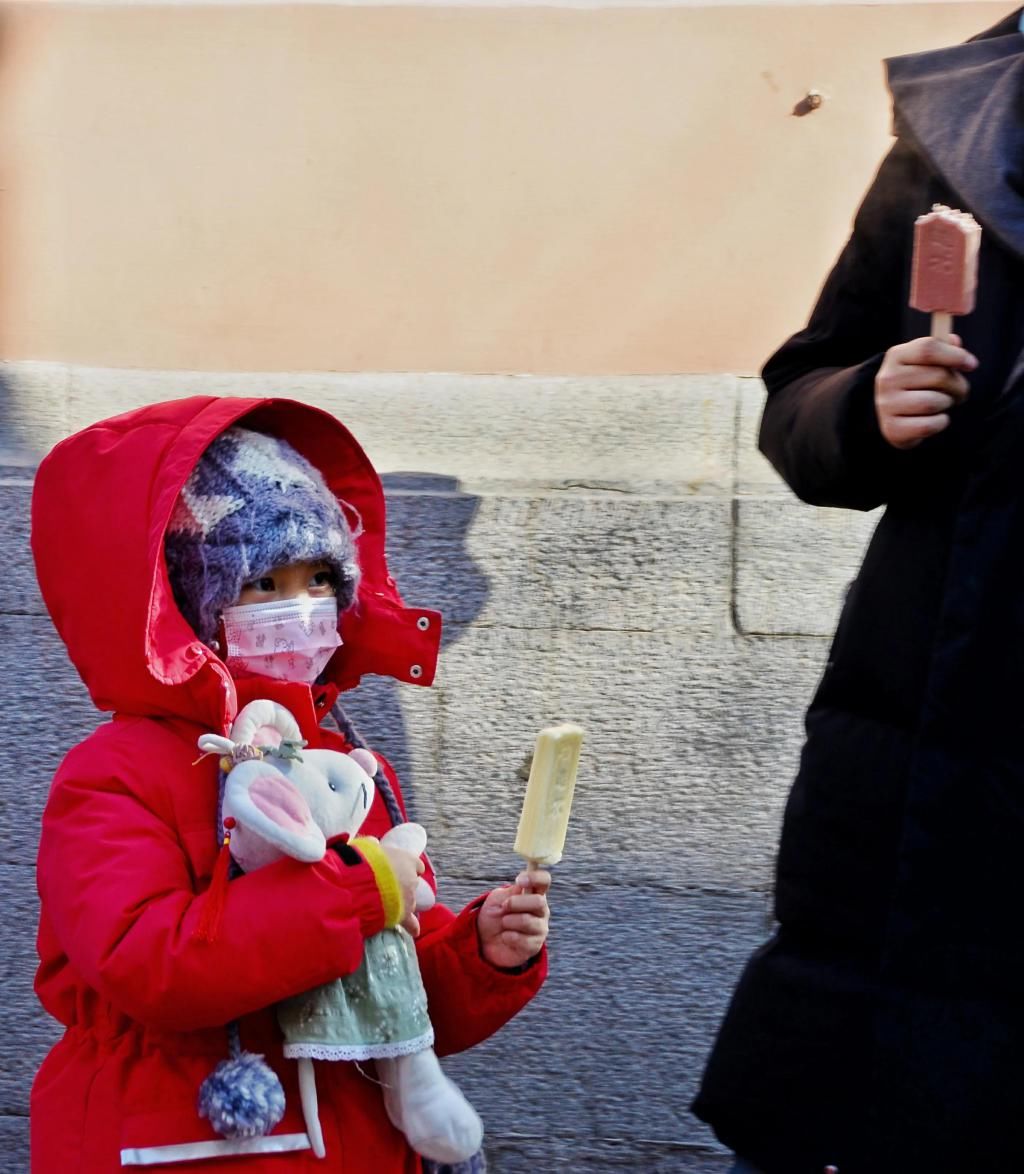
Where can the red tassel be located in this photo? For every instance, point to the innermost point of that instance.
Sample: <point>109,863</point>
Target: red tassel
<point>213,909</point>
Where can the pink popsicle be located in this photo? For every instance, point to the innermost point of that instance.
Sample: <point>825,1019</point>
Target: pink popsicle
<point>944,277</point>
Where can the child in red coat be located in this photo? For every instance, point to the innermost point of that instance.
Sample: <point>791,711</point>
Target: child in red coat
<point>182,513</point>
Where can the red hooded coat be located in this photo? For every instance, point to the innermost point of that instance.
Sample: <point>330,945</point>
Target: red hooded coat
<point>128,840</point>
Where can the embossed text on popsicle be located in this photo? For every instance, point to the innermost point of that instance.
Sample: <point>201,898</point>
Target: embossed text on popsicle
<point>944,273</point>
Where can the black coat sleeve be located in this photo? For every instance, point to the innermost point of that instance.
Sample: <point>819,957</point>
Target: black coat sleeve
<point>819,427</point>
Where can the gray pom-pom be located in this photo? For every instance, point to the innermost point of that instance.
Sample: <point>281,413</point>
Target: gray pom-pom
<point>242,1097</point>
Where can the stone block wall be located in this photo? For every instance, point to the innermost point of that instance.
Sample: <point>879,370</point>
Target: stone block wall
<point>611,551</point>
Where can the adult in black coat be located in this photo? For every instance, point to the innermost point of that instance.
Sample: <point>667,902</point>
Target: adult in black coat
<point>882,1028</point>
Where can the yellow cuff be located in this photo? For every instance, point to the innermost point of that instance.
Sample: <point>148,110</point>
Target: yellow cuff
<point>384,875</point>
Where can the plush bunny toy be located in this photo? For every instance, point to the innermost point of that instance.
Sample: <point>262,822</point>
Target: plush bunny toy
<point>289,801</point>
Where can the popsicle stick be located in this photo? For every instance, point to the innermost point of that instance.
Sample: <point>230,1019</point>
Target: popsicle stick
<point>942,324</point>
<point>531,866</point>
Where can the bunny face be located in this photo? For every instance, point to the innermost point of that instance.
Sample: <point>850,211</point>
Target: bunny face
<point>292,807</point>
<point>338,788</point>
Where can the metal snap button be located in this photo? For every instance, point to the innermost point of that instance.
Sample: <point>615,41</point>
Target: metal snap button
<point>416,671</point>
<point>423,623</point>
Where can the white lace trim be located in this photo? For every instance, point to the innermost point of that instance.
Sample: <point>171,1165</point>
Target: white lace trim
<point>406,1047</point>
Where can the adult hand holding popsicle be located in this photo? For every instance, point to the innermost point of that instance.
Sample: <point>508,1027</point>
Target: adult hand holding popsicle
<point>921,380</point>
<point>513,921</point>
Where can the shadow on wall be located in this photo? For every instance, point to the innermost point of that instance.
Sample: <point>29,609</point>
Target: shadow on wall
<point>16,443</point>
<point>429,519</point>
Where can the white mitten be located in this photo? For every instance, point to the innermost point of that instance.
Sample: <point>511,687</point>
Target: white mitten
<point>412,837</point>
<point>437,1120</point>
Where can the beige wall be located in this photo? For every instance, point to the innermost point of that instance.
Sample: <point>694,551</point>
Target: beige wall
<point>260,187</point>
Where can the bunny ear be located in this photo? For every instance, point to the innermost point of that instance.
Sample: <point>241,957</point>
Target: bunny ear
<point>264,802</point>
<point>215,744</point>
<point>409,836</point>
<point>265,723</point>
<point>364,759</point>
<point>426,898</point>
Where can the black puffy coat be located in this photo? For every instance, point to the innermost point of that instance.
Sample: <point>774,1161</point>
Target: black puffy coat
<point>882,1028</point>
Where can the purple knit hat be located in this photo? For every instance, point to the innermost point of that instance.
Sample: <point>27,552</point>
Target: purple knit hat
<point>252,503</point>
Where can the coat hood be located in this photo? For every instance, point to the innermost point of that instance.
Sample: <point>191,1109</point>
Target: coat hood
<point>961,108</point>
<point>100,507</point>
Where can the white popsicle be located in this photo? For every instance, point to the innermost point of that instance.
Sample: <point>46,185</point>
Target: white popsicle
<point>548,800</point>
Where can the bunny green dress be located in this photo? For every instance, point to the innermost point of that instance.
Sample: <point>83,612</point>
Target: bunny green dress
<point>377,1012</point>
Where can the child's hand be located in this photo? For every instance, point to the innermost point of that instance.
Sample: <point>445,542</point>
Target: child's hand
<point>917,384</point>
<point>407,869</point>
<point>513,921</point>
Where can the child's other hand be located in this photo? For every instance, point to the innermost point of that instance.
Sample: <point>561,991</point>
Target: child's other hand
<point>917,384</point>
<point>513,921</point>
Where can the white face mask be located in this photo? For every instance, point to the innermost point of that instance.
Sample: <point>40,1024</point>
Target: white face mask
<point>288,639</point>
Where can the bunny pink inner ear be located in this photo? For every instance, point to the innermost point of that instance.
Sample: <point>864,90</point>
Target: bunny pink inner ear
<point>267,736</point>
<point>364,759</point>
<point>280,802</point>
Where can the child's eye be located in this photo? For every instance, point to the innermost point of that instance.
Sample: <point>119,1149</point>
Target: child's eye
<point>266,583</point>
<point>323,579</point>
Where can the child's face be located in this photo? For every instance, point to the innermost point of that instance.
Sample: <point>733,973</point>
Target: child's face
<point>313,579</point>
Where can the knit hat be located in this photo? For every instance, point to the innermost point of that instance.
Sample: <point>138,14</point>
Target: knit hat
<point>252,503</point>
